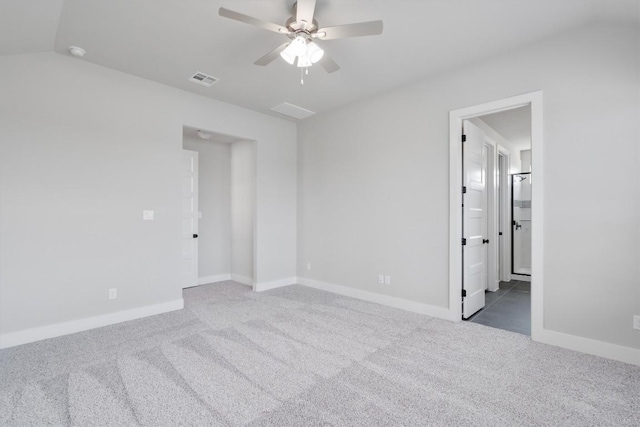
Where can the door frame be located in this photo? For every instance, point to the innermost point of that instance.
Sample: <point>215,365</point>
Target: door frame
<point>456,117</point>
<point>493,271</point>
<point>504,202</point>
<point>254,143</point>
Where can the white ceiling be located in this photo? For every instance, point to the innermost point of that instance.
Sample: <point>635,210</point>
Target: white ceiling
<point>28,26</point>
<point>168,40</point>
<point>514,125</point>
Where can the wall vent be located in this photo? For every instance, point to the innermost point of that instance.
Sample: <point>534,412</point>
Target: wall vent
<point>203,79</point>
<point>292,111</point>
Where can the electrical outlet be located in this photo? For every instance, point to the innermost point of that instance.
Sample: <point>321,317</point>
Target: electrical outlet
<point>147,215</point>
<point>381,279</point>
<point>309,266</point>
<point>636,322</point>
<point>387,280</point>
<point>113,293</point>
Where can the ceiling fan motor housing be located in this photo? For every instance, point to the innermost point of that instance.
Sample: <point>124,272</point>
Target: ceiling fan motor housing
<point>296,27</point>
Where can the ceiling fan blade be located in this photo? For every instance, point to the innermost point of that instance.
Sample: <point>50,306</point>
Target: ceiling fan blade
<point>271,56</point>
<point>305,10</point>
<point>329,64</point>
<point>236,16</point>
<point>370,28</point>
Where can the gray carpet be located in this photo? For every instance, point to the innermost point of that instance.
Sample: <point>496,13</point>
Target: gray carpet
<point>297,356</point>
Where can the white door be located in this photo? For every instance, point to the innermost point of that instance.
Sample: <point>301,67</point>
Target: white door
<point>189,218</point>
<point>474,221</point>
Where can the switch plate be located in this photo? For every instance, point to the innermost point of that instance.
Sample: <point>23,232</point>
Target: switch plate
<point>113,293</point>
<point>636,322</point>
<point>387,280</point>
<point>309,266</point>
<point>199,215</point>
<point>147,215</point>
<point>381,279</point>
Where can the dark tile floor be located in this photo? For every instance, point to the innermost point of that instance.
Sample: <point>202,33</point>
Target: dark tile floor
<point>508,308</point>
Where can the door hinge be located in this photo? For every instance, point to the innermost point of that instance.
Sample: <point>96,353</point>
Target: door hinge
<point>464,293</point>
<point>464,189</point>
<point>464,241</point>
<point>464,138</point>
<point>500,233</point>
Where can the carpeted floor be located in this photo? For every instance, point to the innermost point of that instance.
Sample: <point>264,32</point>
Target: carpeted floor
<point>297,356</point>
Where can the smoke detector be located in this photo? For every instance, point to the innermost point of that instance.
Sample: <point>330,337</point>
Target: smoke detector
<point>76,51</point>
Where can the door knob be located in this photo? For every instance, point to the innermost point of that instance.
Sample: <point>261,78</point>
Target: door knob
<point>195,236</point>
<point>485,241</point>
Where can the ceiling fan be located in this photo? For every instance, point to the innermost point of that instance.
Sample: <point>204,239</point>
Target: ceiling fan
<point>302,31</point>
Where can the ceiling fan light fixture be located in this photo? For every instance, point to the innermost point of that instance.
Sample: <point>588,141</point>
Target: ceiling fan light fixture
<point>298,46</point>
<point>304,62</point>
<point>314,52</point>
<point>287,55</point>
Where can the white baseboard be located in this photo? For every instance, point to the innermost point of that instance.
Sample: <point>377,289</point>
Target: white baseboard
<point>265,286</point>
<point>206,280</point>
<point>589,346</point>
<point>242,279</point>
<point>570,342</point>
<point>402,304</point>
<point>520,277</point>
<point>13,339</point>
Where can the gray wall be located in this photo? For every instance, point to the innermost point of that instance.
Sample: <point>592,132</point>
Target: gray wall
<point>525,159</point>
<point>243,182</point>
<point>373,181</point>
<point>214,202</point>
<point>82,154</point>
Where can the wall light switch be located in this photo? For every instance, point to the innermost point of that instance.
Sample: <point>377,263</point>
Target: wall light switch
<point>309,266</point>
<point>147,215</point>
<point>113,293</point>
<point>199,215</point>
<point>381,279</point>
<point>636,322</point>
<point>387,280</point>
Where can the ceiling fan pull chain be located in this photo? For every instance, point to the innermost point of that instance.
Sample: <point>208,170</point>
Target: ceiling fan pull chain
<point>301,76</point>
<point>306,71</point>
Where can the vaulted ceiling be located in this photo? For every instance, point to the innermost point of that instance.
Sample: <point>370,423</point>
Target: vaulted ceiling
<point>167,41</point>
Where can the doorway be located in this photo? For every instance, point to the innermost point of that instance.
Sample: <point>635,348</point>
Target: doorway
<point>521,225</point>
<point>499,304</point>
<point>219,220</point>
<point>507,161</point>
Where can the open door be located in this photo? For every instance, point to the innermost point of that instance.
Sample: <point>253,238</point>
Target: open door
<point>189,218</point>
<point>474,220</point>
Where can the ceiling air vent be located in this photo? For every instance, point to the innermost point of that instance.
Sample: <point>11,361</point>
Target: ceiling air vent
<point>292,111</point>
<point>203,79</point>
